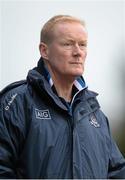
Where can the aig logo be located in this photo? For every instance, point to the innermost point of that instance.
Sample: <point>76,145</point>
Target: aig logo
<point>42,114</point>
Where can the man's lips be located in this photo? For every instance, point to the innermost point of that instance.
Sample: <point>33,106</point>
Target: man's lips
<point>79,63</point>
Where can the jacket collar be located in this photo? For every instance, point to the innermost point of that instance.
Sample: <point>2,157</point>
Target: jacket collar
<point>40,79</point>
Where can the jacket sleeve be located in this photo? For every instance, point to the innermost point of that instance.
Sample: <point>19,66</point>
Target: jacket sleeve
<point>11,136</point>
<point>116,161</point>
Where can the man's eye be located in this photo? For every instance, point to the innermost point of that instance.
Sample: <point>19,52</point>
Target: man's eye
<point>67,44</point>
<point>83,45</point>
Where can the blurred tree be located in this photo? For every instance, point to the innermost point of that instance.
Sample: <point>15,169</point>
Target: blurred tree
<point>119,135</point>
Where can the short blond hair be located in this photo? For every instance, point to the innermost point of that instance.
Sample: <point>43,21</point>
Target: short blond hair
<point>46,33</point>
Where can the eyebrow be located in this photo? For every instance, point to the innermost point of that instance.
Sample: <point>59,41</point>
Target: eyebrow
<point>72,40</point>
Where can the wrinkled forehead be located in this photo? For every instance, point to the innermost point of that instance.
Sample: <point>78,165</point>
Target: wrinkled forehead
<point>72,29</point>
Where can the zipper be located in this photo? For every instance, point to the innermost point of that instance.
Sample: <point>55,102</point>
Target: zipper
<point>71,123</point>
<point>75,97</point>
<point>70,120</point>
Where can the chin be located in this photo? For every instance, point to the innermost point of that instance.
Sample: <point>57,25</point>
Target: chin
<point>78,72</point>
<point>74,75</point>
<point>74,72</point>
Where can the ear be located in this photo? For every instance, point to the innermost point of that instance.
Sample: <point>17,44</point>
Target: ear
<point>43,50</point>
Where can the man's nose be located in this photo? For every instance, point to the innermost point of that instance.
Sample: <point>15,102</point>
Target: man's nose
<point>76,50</point>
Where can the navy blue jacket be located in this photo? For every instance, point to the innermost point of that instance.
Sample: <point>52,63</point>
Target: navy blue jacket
<point>42,136</point>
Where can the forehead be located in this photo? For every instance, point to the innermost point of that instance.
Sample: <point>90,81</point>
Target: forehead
<point>71,30</point>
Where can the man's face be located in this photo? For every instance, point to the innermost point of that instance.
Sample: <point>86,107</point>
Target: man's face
<point>67,52</point>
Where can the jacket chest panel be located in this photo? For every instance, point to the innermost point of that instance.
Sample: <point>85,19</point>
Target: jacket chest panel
<point>49,132</point>
<point>90,149</point>
<point>61,144</point>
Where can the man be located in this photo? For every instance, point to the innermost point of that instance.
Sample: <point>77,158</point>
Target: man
<point>51,125</point>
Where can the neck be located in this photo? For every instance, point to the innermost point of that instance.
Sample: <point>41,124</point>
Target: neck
<point>63,84</point>
<point>63,89</point>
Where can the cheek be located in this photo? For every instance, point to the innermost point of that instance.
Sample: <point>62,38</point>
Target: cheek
<point>56,53</point>
<point>59,57</point>
<point>56,60</point>
<point>85,54</point>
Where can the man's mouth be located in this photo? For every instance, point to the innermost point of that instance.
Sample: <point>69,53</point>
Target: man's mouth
<point>77,63</point>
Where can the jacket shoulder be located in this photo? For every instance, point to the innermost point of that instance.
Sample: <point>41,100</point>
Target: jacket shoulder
<point>12,86</point>
<point>90,93</point>
<point>10,92</point>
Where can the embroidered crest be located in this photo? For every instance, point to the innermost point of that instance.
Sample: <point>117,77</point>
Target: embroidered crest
<point>93,121</point>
